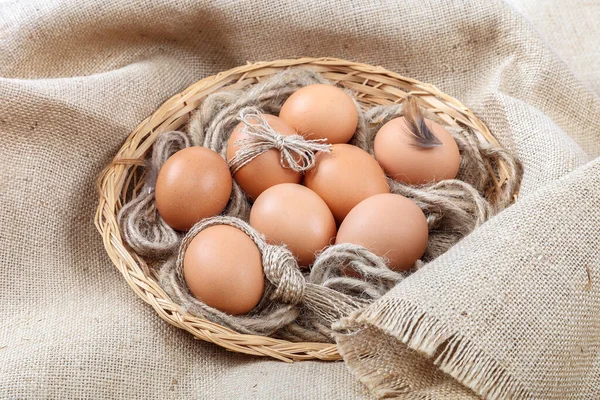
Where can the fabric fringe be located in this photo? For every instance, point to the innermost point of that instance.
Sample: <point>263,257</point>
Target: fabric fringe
<point>450,351</point>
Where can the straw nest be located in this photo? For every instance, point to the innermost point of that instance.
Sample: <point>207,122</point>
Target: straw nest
<point>123,179</point>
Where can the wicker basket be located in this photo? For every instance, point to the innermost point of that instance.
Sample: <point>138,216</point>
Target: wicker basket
<point>123,178</point>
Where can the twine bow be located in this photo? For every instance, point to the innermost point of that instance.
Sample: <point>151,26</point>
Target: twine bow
<point>295,152</point>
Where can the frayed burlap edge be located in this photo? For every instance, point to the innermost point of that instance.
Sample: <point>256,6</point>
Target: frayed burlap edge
<point>416,330</point>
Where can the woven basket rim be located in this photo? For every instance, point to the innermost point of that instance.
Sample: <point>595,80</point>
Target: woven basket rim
<point>174,113</point>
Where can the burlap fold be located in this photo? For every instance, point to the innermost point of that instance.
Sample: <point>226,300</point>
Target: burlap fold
<point>512,311</point>
<point>515,301</point>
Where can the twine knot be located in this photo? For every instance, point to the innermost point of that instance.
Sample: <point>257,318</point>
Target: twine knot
<point>279,142</point>
<point>281,269</point>
<point>296,152</point>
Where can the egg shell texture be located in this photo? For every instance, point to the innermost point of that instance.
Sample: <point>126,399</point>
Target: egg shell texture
<point>321,112</point>
<point>192,184</point>
<point>296,216</point>
<point>222,267</point>
<point>391,226</point>
<point>404,161</point>
<point>345,177</point>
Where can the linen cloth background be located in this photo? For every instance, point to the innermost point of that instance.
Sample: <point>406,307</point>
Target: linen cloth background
<point>77,77</point>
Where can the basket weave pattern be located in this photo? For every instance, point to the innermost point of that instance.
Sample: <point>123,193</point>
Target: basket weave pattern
<point>124,177</point>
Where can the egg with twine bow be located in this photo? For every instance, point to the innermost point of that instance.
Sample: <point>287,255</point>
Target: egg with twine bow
<point>264,151</point>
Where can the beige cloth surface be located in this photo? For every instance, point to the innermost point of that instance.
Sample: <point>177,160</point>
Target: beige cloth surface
<point>521,293</point>
<point>572,29</point>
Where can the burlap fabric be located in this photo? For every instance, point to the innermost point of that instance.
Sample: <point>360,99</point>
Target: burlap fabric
<point>513,310</point>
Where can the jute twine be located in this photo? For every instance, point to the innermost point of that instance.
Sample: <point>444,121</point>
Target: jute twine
<point>143,228</point>
<point>326,294</point>
<point>301,307</point>
<point>295,152</point>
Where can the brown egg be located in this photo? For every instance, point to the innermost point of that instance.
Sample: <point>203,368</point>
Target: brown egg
<point>345,177</point>
<point>223,268</point>
<point>321,112</point>
<point>193,184</point>
<point>390,226</point>
<point>265,170</point>
<point>403,160</point>
<point>296,216</point>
